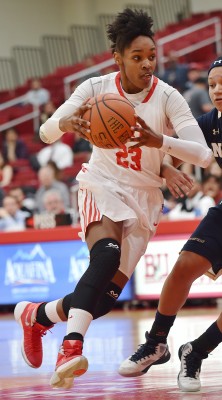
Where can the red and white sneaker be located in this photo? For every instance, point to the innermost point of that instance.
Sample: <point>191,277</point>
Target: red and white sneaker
<point>70,364</point>
<point>25,314</point>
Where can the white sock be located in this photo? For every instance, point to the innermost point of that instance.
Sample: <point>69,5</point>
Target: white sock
<point>51,312</point>
<point>78,321</point>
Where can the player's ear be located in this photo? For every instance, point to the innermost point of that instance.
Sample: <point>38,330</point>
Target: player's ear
<point>117,58</point>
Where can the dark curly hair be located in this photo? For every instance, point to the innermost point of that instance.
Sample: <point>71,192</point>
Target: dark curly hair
<point>128,25</point>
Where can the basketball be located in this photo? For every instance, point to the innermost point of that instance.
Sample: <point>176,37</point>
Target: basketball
<point>111,117</point>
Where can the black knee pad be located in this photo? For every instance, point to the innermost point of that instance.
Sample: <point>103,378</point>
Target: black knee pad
<point>104,262</point>
<point>105,304</point>
<point>107,301</point>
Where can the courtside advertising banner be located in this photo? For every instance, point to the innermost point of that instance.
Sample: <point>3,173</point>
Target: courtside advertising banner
<point>43,271</point>
<point>156,264</point>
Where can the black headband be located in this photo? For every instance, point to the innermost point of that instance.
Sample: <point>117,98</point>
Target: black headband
<point>216,63</point>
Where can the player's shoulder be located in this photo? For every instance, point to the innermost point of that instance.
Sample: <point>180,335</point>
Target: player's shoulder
<point>103,83</point>
<point>96,85</point>
<point>103,78</point>
<point>208,118</point>
<point>166,89</point>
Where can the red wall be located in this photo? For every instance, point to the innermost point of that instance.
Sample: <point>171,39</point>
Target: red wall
<point>69,233</point>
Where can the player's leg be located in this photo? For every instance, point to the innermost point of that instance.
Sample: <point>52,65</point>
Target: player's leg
<point>192,354</point>
<point>208,242</point>
<point>43,316</point>
<point>25,314</point>
<point>155,350</point>
<point>135,247</point>
<point>58,310</point>
<point>104,243</point>
<point>110,295</point>
<point>200,252</point>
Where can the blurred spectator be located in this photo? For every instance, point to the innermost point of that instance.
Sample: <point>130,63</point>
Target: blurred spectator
<point>56,170</point>
<point>175,74</point>
<point>198,98</point>
<point>6,172</point>
<point>58,152</point>
<point>53,202</point>
<point>54,214</point>
<point>194,72</point>
<point>213,169</point>
<point>48,181</point>
<point>47,110</point>
<point>54,205</point>
<point>37,95</point>
<point>13,148</point>
<point>195,205</point>
<point>211,185</point>
<point>25,204</point>
<point>11,217</point>
<point>82,149</point>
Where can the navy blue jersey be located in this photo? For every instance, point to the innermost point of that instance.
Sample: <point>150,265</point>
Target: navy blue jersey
<point>206,240</point>
<point>211,126</point>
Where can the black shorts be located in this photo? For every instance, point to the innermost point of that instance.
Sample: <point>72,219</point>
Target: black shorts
<point>206,240</point>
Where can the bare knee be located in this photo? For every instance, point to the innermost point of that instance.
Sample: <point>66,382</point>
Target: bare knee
<point>188,268</point>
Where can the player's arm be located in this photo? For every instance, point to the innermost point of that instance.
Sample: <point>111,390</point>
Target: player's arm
<point>67,118</point>
<point>178,182</point>
<point>191,143</point>
<point>185,148</point>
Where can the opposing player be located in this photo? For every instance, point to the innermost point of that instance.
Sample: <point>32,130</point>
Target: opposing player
<point>202,252</point>
<point>120,200</point>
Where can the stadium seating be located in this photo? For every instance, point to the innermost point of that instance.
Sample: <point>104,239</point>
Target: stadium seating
<point>54,83</point>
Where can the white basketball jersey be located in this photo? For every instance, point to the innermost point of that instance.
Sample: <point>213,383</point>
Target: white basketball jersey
<point>161,106</point>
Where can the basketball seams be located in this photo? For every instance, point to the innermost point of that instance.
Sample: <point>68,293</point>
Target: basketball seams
<point>116,112</point>
<point>101,117</point>
<point>110,122</point>
<point>121,100</point>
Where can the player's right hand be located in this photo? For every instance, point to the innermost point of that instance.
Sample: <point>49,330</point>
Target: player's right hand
<point>75,123</point>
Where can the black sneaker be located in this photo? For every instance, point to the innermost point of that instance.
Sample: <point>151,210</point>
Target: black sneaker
<point>148,354</point>
<point>189,375</point>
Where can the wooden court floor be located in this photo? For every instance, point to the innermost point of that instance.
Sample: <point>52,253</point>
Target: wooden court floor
<point>109,340</point>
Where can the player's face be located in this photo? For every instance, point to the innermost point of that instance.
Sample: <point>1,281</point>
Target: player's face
<point>215,87</point>
<point>137,64</point>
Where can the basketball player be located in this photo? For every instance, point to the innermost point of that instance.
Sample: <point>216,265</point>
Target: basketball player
<point>120,200</point>
<point>201,252</point>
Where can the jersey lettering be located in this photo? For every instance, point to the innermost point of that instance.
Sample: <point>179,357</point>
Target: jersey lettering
<point>129,158</point>
<point>216,147</point>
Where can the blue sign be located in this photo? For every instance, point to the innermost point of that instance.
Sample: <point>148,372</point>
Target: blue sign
<point>44,271</point>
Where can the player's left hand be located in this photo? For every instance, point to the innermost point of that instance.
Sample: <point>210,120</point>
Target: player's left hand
<point>178,182</point>
<point>147,137</point>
